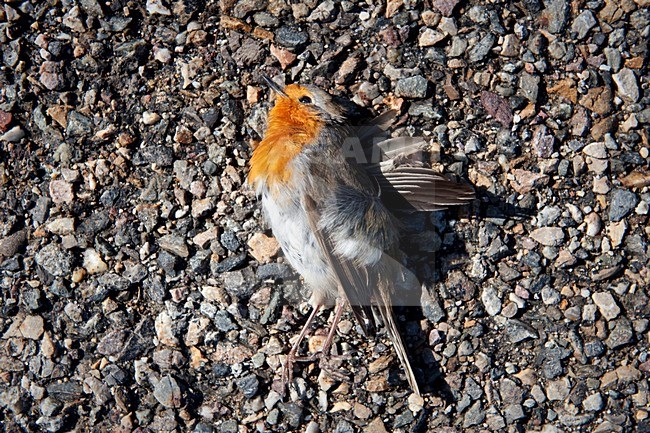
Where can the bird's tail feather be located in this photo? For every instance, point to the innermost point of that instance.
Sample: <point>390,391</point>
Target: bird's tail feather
<point>388,316</point>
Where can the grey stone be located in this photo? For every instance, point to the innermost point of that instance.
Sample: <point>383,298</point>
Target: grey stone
<point>403,419</point>
<point>551,358</point>
<point>548,236</point>
<point>543,141</point>
<point>184,172</point>
<point>14,135</point>
<point>292,413</point>
<point>621,204</point>
<point>167,262</point>
<point>519,331</point>
<point>473,389</point>
<point>482,48</point>
<point>474,415</point>
<point>113,282</point>
<point>250,53</point>
<point>570,420</point>
<point>558,390</point>
<point>593,403</point>
<point>54,260</point>
<point>92,8</point>
<point>606,304</point>
<point>621,335</point>
<point>583,23</point>
<point>248,385</point>
<point>265,19</point>
<point>274,271</point>
<point>239,283</point>
<point>529,85</point>
<point>614,59</point>
<point>113,342</point>
<point>510,392</point>
<point>223,322</point>
<point>555,15</point>
<point>324,12</point>
<point>514,412</point>
<point>174,244</point>
<point>32,327</point>
<point>431,307</point>
<point>491,301</point>
<point>228,264</point>
<point>412,87</point>
<point>594,348</point>
<point>50,406</point>
<point>167,392</point>
<point>12,244</point>
<point>626,84</point>
<point>66,392</point>
<point>478,14</point>
<point>596,150</point>
<point>550,296</point>
<point>78,125</point>
<point>230,241</point>
<point>50,424</point>
<point>457,47</point>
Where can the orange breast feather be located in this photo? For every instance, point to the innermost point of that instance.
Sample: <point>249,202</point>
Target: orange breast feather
<point>291,126</point>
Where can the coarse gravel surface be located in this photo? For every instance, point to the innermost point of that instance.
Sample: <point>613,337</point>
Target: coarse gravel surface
<point>142,292</point>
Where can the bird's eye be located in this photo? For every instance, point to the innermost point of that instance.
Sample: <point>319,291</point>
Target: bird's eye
<point>305,100</point>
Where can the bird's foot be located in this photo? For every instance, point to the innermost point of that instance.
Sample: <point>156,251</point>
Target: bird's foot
<point>331,364</point>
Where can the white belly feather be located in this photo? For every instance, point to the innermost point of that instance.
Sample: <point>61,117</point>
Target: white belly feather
<point>289,224</point>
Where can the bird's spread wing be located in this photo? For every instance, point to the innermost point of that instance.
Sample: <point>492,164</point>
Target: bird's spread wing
<point>396,165</point>
<point>409,189</point>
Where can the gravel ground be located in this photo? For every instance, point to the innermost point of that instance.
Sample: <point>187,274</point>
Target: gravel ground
<point>142,292</point>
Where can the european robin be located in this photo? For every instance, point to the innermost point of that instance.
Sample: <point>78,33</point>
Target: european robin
<point>327,191</point>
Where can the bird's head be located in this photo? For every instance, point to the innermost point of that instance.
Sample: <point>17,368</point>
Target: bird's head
<point>303,104</point>
<point>299,115</point>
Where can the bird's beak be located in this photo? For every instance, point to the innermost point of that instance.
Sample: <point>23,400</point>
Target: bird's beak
<point>274,86</point>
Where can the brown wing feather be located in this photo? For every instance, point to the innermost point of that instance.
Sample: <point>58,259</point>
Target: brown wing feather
<point>354,283</point>
<point>406,188</point>
<point>420,189</point>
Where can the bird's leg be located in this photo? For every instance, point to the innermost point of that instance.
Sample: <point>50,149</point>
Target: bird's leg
<point>323,364</point>
<point>337,318</point>
<point>323,354</point>
<point>287,368</point>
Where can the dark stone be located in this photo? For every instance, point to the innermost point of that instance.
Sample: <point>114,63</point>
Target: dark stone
<point>221,370</point>
<point>292,413</point>
<point>66,392</point>
<point>223,322</point>
<point>621,335</point>
<point>140,341</point>
<point>93,224</point>
<point>209,168</point>
<point>168,262</point>
<point>228,264</point>
<point>274,271</point>
<point>78,125</point>
<point>230,241</point>
<point>33,298</point>
<point>155,288</point>
<point>160,155</point>
<point>291,37</point>
<point>248,385</point>
<point>519,331</point>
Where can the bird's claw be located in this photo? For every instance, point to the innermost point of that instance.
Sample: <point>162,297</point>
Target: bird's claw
<point>326,362</point>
